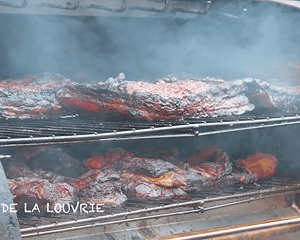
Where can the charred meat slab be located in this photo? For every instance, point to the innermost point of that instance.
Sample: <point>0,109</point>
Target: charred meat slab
<point>142,188</point>
<point>259,165</point>
<point>107,160</point>
<point>43,96</point>
<point>98,187</point>
<point>31,97</point>
<point>155,101</point>
<point>118,175</point>
<point>177,100</point>
<point>46,195</point>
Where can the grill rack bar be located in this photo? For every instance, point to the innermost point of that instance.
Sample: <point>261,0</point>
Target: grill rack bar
<point>288,224</point>
<point>195,206</point>
<point>178,131</point>
<point>97,224</point>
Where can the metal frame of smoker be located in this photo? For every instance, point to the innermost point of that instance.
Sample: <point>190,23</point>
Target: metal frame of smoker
<point>119,8</point>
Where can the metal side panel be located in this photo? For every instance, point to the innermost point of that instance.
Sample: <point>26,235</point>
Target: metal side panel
<point>9,225</point>
<point>185,9</point>
<point>107,8</point>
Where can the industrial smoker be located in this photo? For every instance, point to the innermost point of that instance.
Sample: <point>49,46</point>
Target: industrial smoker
<point>264,210</point>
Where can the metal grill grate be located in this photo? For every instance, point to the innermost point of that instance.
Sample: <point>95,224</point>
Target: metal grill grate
<point>198,202</point>
<point>35,133</point>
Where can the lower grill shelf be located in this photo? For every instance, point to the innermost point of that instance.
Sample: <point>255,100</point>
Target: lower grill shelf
<point>203,210</point>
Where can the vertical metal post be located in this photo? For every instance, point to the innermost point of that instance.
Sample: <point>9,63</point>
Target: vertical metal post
<point>9,225</point>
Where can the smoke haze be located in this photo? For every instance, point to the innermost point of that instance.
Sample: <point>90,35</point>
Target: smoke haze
<point>222,44</point>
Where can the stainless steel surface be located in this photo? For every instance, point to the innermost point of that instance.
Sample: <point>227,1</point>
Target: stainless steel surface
<point>108,8</point>
<point>264,229</point>
<point>120,8</point>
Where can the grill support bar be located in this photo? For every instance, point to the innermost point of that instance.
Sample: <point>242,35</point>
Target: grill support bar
<point>190,130</point>
<point>225,233</point>
<point>198,207</point>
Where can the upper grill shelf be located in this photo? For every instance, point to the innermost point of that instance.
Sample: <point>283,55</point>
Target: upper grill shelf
<point>65,131</point>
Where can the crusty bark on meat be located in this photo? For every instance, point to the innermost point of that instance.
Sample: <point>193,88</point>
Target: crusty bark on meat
<point>207,167</point>
<point>43,96</point>
<point>156,101</point>
<point>169,154</point>
<point>98,187</point>
<point>178,100</point>
<point>259,165</point>
<point>146,166</point>
<point>211,162</point>
<point>211,168</point>
<point>31,97</point>
<point>121,160</point>
<point>118,175</point>
<point>142,178</point>
<point>107,160</point>
<point>40,191</point>
<point>93,187</point>
<point>141,188</point>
